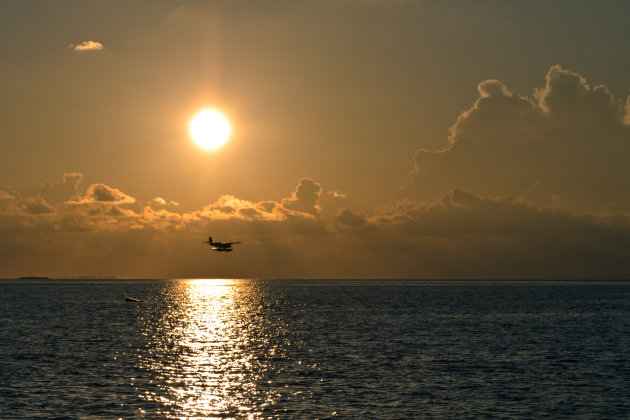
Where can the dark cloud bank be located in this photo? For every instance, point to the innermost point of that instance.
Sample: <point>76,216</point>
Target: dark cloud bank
<point>528,187</point>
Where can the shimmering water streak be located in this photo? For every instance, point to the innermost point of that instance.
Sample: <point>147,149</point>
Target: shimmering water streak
<point>201,351</point>
<point>315,349</point>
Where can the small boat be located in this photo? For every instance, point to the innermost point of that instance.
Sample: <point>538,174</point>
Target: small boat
<point>130,299</point>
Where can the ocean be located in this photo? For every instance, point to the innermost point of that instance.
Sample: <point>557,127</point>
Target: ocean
<point>211,348</point>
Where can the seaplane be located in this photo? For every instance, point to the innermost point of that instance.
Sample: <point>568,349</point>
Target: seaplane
<point>220,246</point>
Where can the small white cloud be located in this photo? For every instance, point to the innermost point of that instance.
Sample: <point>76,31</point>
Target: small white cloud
<point>87,46</point>
<point>160,201</point>
<point>337,194</point>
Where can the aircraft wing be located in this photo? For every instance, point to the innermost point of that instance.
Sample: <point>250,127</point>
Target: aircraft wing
<point>223,244</point>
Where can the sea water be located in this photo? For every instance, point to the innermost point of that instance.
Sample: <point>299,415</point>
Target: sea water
<point>314,349</point>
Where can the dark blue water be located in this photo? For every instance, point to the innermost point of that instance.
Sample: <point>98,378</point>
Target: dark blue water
<point>314,349</point>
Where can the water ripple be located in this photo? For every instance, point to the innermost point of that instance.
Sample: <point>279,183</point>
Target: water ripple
<point>274,349</point>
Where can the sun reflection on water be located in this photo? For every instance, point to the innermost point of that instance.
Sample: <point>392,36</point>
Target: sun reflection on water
<point>201,352</point>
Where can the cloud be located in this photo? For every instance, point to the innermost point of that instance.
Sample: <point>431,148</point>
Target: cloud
<point>87,46</point>
<point>348,219</point>
<point>229,207</point>
<point>107,208</point>
<point>58,192</point>
<point>302,204</point>
<point>14,204</point>
<point>467,235</point>
<point>104,230</point>
<point>159,219</point>
<point>101,193</point>
<point>160,201</point>
<point>461,234</point>
<point>565,147</point>
<point>337,194</point>
<point>37,205</point>
<point>305,198</point>
<point>8,193</point>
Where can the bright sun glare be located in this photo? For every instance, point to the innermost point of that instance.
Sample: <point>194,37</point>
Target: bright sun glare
<point>210,129</point>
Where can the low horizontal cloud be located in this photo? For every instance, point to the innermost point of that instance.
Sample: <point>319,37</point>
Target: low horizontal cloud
<point>229,207</point>
<point>7,193</point>
<point>101,206</point>
<point>37,205</point>
<point>87,46</point>
<point>107,227</point>
<point>158,219</point>
<point>459,235</point>
<point>160,201</point>
<point>347,219</point>
<point>13,204</point>
<point>467,235</point>
<point>101,193</point>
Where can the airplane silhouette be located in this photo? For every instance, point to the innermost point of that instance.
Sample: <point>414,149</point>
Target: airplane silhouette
<point>220,246</point>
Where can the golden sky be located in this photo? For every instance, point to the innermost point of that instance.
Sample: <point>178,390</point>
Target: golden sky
<point>369,139</point>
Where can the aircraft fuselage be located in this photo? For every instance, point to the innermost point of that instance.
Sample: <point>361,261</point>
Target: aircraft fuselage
<point>220,246</point>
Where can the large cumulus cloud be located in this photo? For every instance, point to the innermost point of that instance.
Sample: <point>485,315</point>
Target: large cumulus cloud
<point>528,187</point>
<point>567,146</point>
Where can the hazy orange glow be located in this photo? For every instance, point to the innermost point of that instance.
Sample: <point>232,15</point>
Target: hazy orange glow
<point>210,129</point>
<point>353,146</point>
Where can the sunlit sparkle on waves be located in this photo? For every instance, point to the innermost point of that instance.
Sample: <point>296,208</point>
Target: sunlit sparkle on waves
<point>201,353</point>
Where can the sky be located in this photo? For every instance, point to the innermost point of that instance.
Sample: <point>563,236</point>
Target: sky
<point>370,139</point>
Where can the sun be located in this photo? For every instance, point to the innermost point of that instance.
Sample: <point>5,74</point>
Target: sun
<point>210,129</point>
